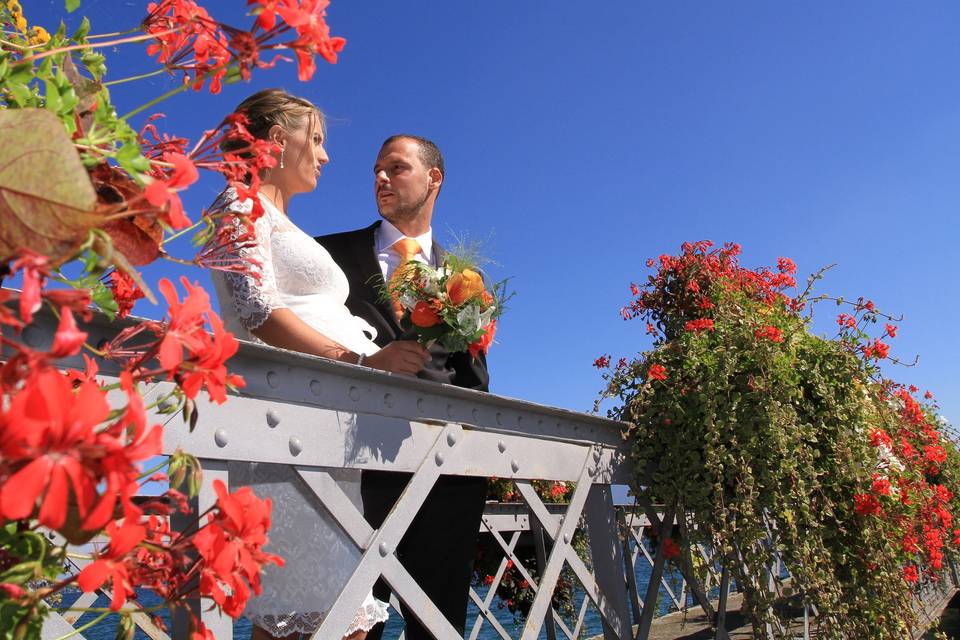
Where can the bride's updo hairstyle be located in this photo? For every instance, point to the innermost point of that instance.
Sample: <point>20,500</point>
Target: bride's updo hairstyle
<point>273,106</point>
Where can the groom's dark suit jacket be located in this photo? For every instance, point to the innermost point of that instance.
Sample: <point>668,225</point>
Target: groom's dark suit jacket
<point>439,547</point>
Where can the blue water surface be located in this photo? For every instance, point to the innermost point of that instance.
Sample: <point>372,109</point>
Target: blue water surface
<point>106,629</point>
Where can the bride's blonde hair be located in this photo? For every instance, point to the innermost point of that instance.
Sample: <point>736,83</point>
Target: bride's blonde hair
<point>273,106</point>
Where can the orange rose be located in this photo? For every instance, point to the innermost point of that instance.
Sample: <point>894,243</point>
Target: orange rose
<point>463,286</point>
<point>486,299</point>
<point>424,315</point>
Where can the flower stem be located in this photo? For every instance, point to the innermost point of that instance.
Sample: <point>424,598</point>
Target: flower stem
<point>132,78</point>
<point>157,100</point>
<point>100,45</point>
<point>173,92</point>
<point>150,472</point>
<point>182,232</point>
<point>79,630</point>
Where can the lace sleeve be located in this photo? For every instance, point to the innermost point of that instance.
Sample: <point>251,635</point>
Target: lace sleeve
<point>253,292</point>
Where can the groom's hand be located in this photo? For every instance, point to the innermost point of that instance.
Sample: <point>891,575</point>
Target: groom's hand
<point>401,356</point>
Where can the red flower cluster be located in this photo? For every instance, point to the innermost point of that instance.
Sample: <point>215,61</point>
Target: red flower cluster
<point>227,553</point>
<point>770,333</point>
<point>125,292</point>
<point>657,372</point>
<point>699,267</point>
<point>57,452</point>
<point>878,350</point>
<point>182,345</point>
<point>162,192</point>
<point>671,549</point>
<point>696,326</point>
<point>922,511</point>
<point>189,40</point>
<point>231,546</point>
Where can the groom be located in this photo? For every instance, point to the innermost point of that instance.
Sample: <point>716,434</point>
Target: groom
<point>439,546</point>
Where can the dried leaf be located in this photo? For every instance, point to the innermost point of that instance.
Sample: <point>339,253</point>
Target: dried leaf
<point>46,197</point>
<point>138,238</point>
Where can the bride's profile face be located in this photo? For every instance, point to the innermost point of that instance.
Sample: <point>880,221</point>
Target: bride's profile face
<point>303,156</point>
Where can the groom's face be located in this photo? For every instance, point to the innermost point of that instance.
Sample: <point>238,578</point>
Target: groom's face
<point>402,183</point>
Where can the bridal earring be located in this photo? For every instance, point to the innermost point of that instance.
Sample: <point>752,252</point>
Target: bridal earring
<point>282,149</point>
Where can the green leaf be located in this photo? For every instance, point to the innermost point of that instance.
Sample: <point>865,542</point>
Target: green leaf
<point>52,97</point>
<point>82,30</point>
<point>72,5</point>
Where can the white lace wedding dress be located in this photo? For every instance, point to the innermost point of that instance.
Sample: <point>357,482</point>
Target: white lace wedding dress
<point>299,274</point>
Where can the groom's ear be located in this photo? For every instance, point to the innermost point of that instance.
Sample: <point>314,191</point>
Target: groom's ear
<point>436,178</point>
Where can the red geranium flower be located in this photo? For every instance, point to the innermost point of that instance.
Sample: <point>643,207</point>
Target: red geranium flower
<point>231,547</point>
<point>910,574</point>
<point>68,339</point>
<point>112,563</point>
<point>702,324</point>
<point>670,549</point>
<point>770,333</point>
<point>162,191</point>
<point>45,435</point>
<point>125,292</point>
<point>657,372</point>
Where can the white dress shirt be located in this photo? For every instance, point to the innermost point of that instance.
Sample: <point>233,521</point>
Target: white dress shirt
<point>386,236</point>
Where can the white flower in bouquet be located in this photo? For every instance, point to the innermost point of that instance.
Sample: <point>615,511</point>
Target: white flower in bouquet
<point>468,319</point>
<point>408,300</point>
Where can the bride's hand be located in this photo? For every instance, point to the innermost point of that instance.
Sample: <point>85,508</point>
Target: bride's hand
<point>402,356</point>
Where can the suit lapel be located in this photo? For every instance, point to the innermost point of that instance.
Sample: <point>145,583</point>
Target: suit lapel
<point>369,279</point>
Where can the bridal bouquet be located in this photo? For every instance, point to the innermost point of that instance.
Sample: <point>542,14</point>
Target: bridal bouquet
<point>449,304</point>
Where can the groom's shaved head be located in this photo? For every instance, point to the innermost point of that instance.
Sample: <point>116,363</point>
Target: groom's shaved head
<point>429,153</point>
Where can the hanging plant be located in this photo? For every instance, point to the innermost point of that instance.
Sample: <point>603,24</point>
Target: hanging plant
<point>774,440</point>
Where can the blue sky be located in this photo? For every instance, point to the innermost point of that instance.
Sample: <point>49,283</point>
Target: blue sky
<point>582,138</point>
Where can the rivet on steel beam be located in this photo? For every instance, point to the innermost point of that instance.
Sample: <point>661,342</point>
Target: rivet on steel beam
<point>295,445</point>
<point>499,418</point>
<point>272,418</point>
<point>273,379</point>
<point>315,387</point>
<point>452,438</point>
<point>502,446</point>
<point>388,400</point>
<point>438,458</point>
<point>515,465</point>
<point>450,411</point>
<point>354,393</point>
<point>420,404</point>
<point>519,419</point>
<point>384,549</point>
<point>220,437</point>
<point>476,414</point>
<point>596,454</point>
<point>566,538</point>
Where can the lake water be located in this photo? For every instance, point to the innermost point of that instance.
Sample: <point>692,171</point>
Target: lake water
<point>105,630</point>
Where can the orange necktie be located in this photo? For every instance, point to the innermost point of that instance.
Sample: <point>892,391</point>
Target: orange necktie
<point>406,248</point>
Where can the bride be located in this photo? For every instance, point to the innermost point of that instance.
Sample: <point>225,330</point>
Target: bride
<point>297,303</point>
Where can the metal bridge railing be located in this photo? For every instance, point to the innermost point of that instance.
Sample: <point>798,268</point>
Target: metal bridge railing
<point>319,416</point>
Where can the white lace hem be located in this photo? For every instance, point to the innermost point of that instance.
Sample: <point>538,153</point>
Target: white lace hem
<point>371,613</point>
